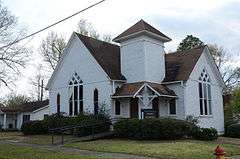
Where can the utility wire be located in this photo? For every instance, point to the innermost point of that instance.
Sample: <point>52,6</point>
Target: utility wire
<point>49,26</point>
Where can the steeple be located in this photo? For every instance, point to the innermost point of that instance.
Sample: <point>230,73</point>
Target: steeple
<point>142,53</point>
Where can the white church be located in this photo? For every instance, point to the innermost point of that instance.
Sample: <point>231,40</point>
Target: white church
<point>135,78</point>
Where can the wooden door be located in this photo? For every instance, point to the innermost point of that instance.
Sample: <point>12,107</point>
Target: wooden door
<point>134,108</point>
<point>155,105</point>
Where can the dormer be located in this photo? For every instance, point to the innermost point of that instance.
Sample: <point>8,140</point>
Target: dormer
<point>142,53</point>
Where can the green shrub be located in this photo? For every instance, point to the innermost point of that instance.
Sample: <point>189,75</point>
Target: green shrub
<point>163,128</point>
<point>205,133</point>
<point>96,124</point>
<point>233,130</point>
<point>34,128</point>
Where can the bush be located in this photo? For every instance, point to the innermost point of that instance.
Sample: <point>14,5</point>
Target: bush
<point>96,123</point>
<point>34,128</point>
<point>163,128</point>
<point>233,130</point>
<point>204,133</point>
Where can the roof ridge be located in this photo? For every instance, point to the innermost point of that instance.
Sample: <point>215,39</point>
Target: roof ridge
<point>99,40</point>
<point>197,47</point>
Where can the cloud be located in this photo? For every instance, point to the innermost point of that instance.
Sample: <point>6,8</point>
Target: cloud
<point>213,21</point>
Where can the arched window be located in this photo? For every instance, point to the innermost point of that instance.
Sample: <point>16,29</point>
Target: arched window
<point>58,103</point>
<point>95,101</point>
<point>205,98</point>
<point>75,95</point>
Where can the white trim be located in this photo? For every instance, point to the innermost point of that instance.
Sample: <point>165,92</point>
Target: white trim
<point>214,67</point>
<point>60,61</point>
<point>147,85</point>
<point>119,80</point>
<point>139,90</point>
<point>126,96</point>
<point>155,36</point>
<point>39,109</point>
<point>153,90</point>
<point>173,82</point>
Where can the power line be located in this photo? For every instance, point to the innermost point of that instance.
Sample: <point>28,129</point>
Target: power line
<point>49,26</point>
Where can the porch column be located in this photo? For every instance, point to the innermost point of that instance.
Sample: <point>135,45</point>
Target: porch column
<point>4,120</point>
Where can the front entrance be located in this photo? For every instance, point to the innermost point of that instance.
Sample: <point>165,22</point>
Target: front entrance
<point>134,108</point>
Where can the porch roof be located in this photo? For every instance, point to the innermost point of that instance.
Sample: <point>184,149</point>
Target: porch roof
<point>131,89</point>
<point>26,107</point>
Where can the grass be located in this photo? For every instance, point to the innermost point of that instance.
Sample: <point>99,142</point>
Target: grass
<point>16,152</point>
<point>187,149</point>
<point>33,139</point>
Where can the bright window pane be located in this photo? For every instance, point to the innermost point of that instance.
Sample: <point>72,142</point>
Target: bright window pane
<point>209,92</point>
<point>210,107</point>
<point>205,90</point>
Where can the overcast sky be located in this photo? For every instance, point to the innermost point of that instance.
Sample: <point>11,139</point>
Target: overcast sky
<point>213,21</point>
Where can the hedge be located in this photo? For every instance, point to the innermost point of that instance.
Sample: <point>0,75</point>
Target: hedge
<point>233,131</point>
<point>34,128</point>
<point>100,122</point>
<point>205,134</point>
<point>162,128</point>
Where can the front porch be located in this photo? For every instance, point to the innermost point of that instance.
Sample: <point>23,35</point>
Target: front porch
<point>8,121</point>
<point>144,100</point>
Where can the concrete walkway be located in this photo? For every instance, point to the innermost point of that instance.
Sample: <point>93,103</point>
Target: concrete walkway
<point>76,151</point>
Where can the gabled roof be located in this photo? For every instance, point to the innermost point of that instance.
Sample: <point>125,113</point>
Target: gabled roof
<point>180,64</point>
<point>26,107</point>
<point>130,89</point>
<point>106,54</point>
<point>139,27</point>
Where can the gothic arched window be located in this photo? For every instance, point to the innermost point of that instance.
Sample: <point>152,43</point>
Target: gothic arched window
<point>75,88</point>
<point>205,98</point>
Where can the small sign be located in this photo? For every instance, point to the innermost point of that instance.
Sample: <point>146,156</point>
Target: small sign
<point>149,113</point>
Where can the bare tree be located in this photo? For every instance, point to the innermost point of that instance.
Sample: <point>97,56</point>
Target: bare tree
<point>38,84</point>
<point>14,56</point>
<point>86,28</point>
<point>13,100</point>
<point>107,38</point>
<point>51,48</point>
<point>230,75</point>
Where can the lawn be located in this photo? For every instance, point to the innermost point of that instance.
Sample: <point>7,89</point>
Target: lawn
<point>187,149</point>
<point>16,152</point>
<point>33,139</point>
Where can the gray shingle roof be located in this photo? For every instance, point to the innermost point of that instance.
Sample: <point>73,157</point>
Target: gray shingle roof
<point>138,27</point>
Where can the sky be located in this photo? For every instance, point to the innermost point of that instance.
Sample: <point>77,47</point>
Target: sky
<point>213,21</point>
